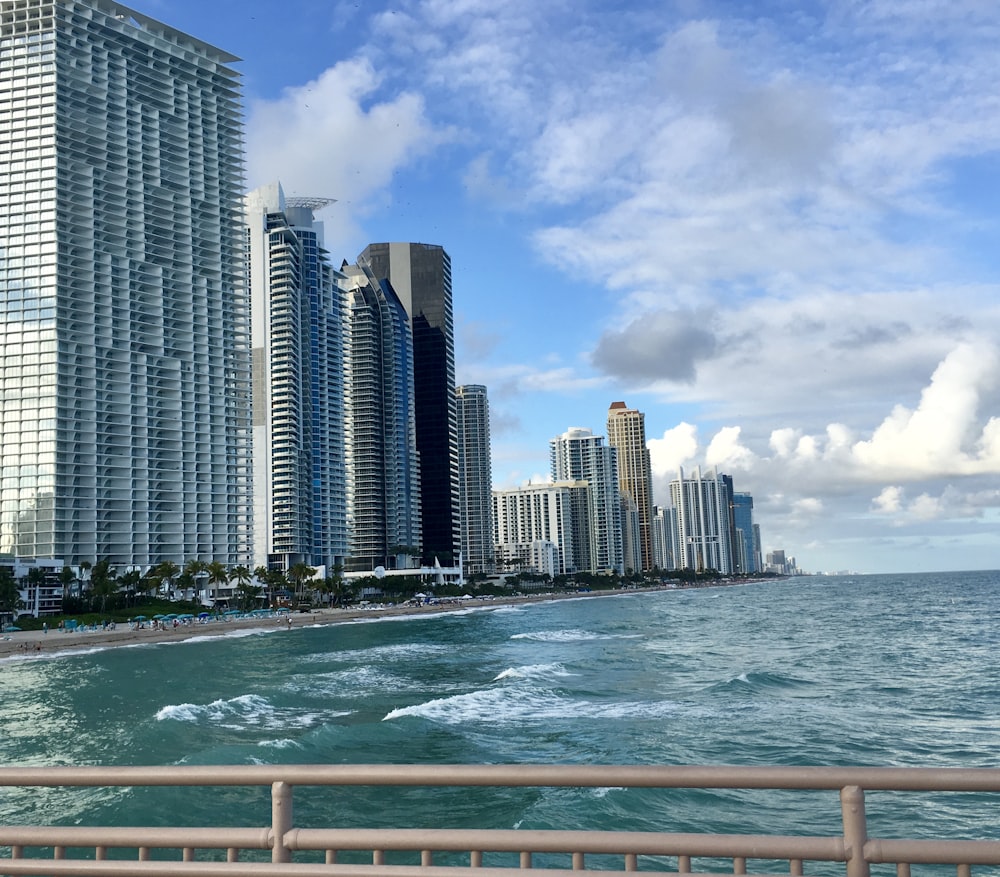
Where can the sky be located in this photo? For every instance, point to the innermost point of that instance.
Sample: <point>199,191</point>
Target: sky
<point>769,225</point>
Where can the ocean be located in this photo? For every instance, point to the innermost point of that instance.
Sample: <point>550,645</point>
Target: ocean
<point>866,670</point>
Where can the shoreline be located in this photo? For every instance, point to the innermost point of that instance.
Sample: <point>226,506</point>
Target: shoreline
<point>27,644</point>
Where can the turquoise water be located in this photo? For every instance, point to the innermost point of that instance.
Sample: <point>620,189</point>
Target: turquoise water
<point>878,670</point>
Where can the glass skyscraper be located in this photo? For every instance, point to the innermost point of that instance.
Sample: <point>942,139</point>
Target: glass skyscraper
<point>299,340</point>
<point>124,322</point>
<point>382,460</point>
<point>420,274</point>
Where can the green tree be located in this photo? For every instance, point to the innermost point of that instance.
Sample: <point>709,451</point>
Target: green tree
<point>218,575</point>
<point>194,569</point>
<point>104,582</point>
<point>67,578</point>
<point>247,595</point>
<point>10,597</point>
<point>298,575</point>
<point>131,582</point>
<point>166,573</point>
<point>241,575</point>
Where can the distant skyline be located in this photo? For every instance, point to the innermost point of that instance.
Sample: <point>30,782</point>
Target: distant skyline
<point>772,230</point>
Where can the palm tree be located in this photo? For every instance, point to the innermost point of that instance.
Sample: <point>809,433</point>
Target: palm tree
<point>241,575</point>
<point>193,569</point>
<point>85,567</point>
<point>298,575</point>
<point>218,575</point>
<point>67,577</point>
<point>166,571</point>
<point>131,581</point>
<point>247,594</point>
<point>104,582</point>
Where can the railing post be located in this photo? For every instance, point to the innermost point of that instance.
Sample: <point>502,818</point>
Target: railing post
<point>281,821</point>
<point>852,807</point>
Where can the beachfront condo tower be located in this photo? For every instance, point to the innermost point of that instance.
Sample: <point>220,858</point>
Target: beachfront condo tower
<point>627,434</point>
<point>298,307</point>
<point>420,274</point>
<point>703,535</point>
<point>383,481</point>
<point>579,455</point>
<point>124,318</point>
<point>475,478</point>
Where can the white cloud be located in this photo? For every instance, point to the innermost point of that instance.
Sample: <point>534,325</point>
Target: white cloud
<point>725,452</point>
<point>330,137</point>
<point>677,448</point>
<point>889,501</point>
<point>938,436</point>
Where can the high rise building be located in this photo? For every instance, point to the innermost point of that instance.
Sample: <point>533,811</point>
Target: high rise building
<point>627,434</point>
<point>475,478</point>
<point>420,274</point>
<point>124,318</point>
<point>703,533</point>
<point>579,455</point>
<point>746,559</point>
<point>383,486</point>
<point>528,517</point>
<point>664,535</point>
<point>299,334</point>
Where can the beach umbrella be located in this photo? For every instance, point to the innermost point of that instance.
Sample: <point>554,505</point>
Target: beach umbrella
<point>140,618</point>
<point>158,617</point>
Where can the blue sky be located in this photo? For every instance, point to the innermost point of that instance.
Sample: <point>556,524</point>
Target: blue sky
<point>771,226</point>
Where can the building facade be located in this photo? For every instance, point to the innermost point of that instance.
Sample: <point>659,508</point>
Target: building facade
<point>665,548</point>
<point>475,478</point>
<point>703,539</point>
<point>298,353</point>
<point>539,514</point>
<point>579,455</point>
<point>124,317</point>
<point>627,435</point>
<point>746,556</point>
<point>420,275</point>
<point>383,484</point>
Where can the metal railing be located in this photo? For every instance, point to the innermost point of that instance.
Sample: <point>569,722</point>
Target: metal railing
<point>45,850</point>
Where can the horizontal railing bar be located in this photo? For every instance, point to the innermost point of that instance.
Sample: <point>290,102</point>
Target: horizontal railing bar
<point>751,846</point>
<point>933,852</point>
<point>107,868</point>
<point>162,838</point>
<point>636,776</point>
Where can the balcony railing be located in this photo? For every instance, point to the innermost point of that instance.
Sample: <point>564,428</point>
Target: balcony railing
<point>198,851</point>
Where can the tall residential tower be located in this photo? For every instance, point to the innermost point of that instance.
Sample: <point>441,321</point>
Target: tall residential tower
<point>579,455</point>
<point>383,487</point>
<point>299,337</point>
<point>124,318</point>
<point>420,275</point>
<point>475,478</point>
<point>627,434</point>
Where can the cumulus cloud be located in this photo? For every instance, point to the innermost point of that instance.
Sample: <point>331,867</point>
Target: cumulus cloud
<point>677,448</point>
<point>942,434</point>
<point>331,137</point>
<point>725,451</point>
<point>889,501</point>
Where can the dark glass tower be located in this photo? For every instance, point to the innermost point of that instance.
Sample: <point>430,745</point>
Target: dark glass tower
<point>421,276</point>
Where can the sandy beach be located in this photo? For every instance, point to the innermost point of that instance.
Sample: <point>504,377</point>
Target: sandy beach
<point>36,642</point>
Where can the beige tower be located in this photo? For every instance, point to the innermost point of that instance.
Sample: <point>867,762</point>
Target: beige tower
<point>627,434</point>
